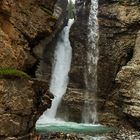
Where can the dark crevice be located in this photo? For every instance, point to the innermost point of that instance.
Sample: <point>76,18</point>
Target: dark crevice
<point>135,26</point>
<point>113,27</point>
<point>107,2</point>
<point>132,121</point>
<point>35,41</point>
<point>119,34</point>
<point>114,84</point>
<point>31,71</point>
<point>109,17</point>
<point>126,59</point>
<point>5,14</point>
<point>129,55</point>
<point>32,43</point>
<point>120,2</point>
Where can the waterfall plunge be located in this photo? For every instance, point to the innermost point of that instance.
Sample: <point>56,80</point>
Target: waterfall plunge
<point>59,79</point>
<point>61,66</point>
<point>90,113</point>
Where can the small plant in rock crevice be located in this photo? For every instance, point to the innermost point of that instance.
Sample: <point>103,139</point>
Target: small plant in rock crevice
<point>45,9</point>
<point>11,72</point>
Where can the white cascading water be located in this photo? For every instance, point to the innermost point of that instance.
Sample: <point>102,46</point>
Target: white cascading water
<point>61,67</point>
<point>90,113</point>
<point>59,79</point>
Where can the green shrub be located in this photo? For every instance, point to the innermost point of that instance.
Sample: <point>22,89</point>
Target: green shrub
<point>71,10</point>
<point>13,73</point>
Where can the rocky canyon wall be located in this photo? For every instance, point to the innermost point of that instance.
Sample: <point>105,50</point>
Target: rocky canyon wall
<point>119,23</point>
<point>73,101</point>
<point>26,30</point>
<point>128,88</point>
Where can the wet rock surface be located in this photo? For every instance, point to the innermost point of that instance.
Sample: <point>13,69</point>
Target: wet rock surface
<point>74,98</point>
<point>78,38</point>
<point>72,103</point>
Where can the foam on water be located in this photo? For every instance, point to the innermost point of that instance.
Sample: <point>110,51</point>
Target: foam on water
<point>59,122</point>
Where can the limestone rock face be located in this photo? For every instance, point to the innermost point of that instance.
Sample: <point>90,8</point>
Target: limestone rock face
<point>118,26</point>
<point>45,49</point>
<point>72,105</point>
<point>78,38</point>
<point>119,23</point>
<point>129,87</point>
<point>21,103</point>
<point>27,28</point>
<point>23,24</point>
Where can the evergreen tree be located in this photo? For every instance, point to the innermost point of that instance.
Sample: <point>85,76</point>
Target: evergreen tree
<point>71,10</point>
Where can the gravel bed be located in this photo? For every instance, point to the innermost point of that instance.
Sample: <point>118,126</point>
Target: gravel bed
<point>120,134</point>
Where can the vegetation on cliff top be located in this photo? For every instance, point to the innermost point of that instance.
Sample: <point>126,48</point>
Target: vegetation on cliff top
<point>10,72</point>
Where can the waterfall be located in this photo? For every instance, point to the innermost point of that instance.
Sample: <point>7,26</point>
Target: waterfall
<point>62,62</point>
<point>60,70</point>
<point>59,81</point>
<point>89,112</point>
<point>61,67</point>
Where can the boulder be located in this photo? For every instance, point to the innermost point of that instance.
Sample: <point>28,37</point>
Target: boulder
<point>21,104</point>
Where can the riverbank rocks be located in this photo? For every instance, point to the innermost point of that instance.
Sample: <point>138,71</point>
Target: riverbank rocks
<point>124,134</point>
<point>59,136</point>
<point>117,134</point>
